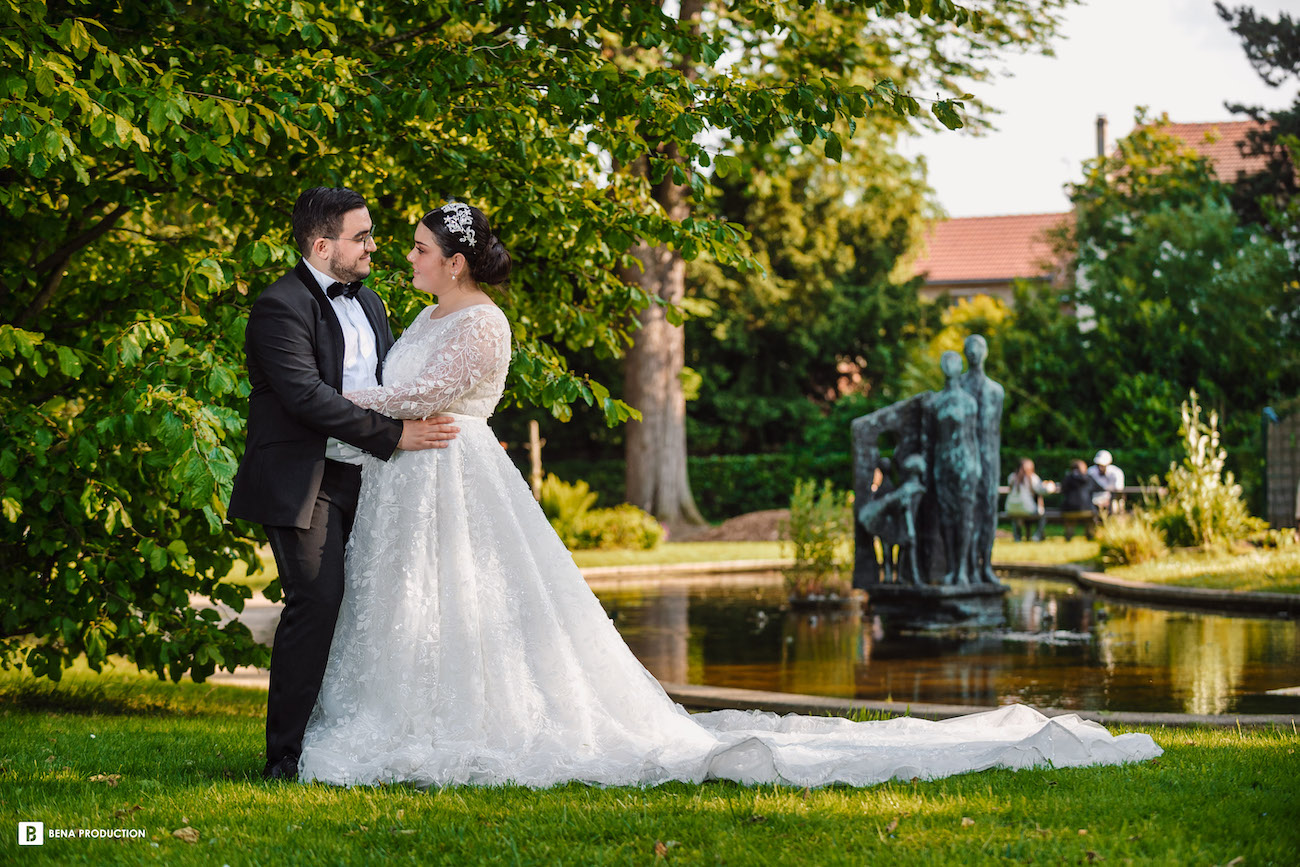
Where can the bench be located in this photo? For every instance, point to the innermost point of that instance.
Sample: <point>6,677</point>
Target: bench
<point>1086,519</point>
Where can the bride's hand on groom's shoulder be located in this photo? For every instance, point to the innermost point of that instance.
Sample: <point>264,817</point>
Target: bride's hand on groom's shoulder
<point>427,433</point>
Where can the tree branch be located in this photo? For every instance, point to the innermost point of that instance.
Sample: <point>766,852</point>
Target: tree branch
<point>56,262</point>
<point>43,297</point>
<point>72,245</point>
<point>403,37</point>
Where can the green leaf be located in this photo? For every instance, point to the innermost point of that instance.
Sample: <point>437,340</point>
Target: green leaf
<point>69,364</point>
<point>834,150</point>
<point>44,80</point>
<point>157,115</point>
<point>946,111</point>
<point>211,272</point>
<point>726,165</point>
<point>221,380</point>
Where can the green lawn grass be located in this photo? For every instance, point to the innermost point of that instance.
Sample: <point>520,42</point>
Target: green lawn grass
<point>1053,550</point>
<point>123,751</point>
<point>684,552</point>
<point>1260,570</point>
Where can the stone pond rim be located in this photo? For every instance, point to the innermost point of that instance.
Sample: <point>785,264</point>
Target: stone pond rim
<point>1200,598</point>
<point>1262,604</point>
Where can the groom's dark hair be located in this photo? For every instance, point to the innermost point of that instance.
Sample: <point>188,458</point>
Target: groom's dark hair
<point>318,213</point>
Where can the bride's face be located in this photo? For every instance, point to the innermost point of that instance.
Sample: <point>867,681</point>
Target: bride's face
<point>432,272</point>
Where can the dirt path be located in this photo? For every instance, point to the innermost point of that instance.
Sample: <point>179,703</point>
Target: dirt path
<point>753,527</point>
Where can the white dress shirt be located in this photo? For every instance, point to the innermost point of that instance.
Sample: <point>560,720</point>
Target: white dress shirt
<point>1110,480</point>
<point>360,357</point>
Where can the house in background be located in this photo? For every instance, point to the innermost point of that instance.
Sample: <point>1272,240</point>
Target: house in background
<point>1222,144</point>
<point>969,256</point>
<point>983,255</point>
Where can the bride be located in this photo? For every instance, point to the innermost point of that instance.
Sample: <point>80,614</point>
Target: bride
<point>469,649</point>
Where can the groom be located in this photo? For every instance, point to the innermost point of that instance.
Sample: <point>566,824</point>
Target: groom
<point>312,335</point>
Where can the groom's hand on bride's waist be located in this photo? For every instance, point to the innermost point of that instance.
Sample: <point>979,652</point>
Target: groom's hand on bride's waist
<point>427,433</point>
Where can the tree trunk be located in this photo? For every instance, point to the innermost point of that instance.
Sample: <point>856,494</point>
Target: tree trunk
<point>657,479</point>
<point>656,446</point>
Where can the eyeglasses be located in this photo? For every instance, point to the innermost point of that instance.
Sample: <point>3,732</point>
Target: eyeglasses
<point>367,238</point>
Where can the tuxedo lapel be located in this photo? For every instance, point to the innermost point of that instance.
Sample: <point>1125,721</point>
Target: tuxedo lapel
<point>374,308</point>
<point>331,350</point>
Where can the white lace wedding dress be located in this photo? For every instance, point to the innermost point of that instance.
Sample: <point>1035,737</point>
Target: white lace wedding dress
<point>469,648</point>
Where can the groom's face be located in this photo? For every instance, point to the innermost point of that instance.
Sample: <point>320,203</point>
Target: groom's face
<point>349,253</point>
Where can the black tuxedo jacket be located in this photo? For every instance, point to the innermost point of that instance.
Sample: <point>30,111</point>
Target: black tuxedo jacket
<point>294,346</point>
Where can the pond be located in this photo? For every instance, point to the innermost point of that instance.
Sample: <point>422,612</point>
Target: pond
<point>1062,647</point>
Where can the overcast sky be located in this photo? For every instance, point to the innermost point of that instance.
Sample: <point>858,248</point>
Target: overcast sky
<point>1172,56</point>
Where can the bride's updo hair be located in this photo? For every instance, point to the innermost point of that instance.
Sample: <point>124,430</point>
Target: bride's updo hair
<point>462,228</point>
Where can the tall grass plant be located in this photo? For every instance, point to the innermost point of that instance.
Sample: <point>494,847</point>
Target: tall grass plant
<point>1204,506</point>
<point>819,534</point>
<point>1129,538</point>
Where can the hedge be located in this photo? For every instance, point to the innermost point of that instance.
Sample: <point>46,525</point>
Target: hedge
<point>724,485</point>
<point>730,485</point>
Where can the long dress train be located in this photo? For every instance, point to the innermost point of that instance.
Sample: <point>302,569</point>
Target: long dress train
<point>469,649</point>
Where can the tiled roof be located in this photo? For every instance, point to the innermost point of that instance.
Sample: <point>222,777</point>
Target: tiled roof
<point>993,249</point>
<point>1220,143</point>
<point>999,249</point>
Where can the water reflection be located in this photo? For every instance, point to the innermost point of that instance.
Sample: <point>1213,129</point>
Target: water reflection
<point>1061,647</point>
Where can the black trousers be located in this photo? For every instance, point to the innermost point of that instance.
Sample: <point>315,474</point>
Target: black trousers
<point>311,573</point>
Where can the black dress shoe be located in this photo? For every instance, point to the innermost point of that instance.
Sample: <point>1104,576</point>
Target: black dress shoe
<point>285,769</point>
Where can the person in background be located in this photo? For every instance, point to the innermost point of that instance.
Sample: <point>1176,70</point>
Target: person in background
<point>1077,489</point>
<point>1109,479</point>
<point>1025,499</point>
<point>1297,505</point>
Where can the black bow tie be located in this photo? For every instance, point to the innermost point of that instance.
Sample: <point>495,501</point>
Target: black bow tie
<point>348,289</point>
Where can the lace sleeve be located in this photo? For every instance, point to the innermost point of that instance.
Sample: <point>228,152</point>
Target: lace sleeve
<point>475,347</point>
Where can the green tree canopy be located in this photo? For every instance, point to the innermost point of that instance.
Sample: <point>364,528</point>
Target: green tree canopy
<point>150,154</point>
<point>829,308</point>
<point>1267,197</point>
<point>827,315</point>
<point>1171,292</point>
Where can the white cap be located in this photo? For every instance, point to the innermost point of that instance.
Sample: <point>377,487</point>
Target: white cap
<point>1102,458</point>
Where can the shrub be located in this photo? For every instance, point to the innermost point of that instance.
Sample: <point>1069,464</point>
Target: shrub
<point>623,526</point>
<point>819,532</point>
<point>605,475</point>
<point>1204,506</point>
<point>565,506</point>
<point>1129,538</point>
<point>568,508</point>
<point>1276,539</point>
